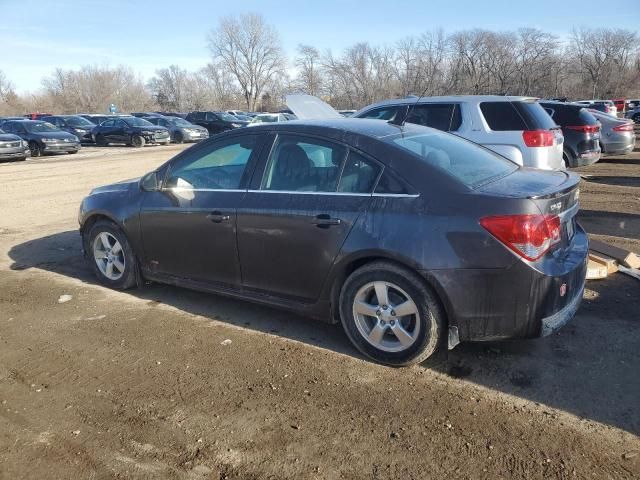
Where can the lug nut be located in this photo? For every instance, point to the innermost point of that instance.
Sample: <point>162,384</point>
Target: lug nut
<point>393,313</point>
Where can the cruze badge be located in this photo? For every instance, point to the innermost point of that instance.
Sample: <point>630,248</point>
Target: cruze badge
<point>556,206</point>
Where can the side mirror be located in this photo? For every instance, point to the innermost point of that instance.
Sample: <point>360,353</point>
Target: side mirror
<point>150,182</point>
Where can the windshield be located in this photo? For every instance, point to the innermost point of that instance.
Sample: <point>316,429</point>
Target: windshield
<point>137,122</point>
<point>463,160</point>
<point>265,119</point>
<point>79,122</point>
<point>40,127</point>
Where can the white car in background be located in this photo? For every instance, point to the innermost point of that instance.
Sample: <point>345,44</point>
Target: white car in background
<point>270,118</point>
<point>515,127</point>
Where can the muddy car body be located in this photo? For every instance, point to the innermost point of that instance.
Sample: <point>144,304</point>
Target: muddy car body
<point>394,231</point>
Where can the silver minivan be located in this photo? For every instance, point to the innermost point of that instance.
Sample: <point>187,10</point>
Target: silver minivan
<point>515,127</point>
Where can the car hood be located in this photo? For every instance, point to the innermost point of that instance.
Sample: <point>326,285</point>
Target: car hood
<point>307,106</point>
<point>123,186</point>
<point>8,137</point>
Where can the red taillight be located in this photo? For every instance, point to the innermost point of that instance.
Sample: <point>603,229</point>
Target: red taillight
<point>538,138</point>
<point>585,128</point>
<point>626,127</point>
<point>530,236</point>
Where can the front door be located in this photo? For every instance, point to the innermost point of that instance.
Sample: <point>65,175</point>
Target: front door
<point>292,226</point>
<point>189,227</point>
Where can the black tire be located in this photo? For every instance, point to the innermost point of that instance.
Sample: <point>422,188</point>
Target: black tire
<point>431,316</point>
<point>128,278</point>
<point>101,141</point>
<point>137,141</point>
<point>178,138</point>
<point>568,159</point>
<point>36,151</point>
<point>73,152</point>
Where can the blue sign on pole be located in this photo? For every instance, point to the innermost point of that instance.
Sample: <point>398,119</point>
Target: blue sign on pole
<point>112,108</point>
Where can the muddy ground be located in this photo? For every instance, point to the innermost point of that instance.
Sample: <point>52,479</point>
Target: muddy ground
<point>146,384</point>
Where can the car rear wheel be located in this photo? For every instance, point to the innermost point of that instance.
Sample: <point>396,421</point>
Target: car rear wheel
<point>568,160</point>
<point>390,314</point>
<point>137,141</point>
<point>111,256</point>
<point>36,151</point>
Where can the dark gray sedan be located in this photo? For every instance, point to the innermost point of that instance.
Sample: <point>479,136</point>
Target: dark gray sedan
<point>408,236</point>
<point>181,130</point>
<point>12,147</point>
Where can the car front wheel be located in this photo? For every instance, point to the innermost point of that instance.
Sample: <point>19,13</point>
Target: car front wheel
<point>36,151</point>
<point>111,256</point>
<point>390,314</point>
<point>137,141</point>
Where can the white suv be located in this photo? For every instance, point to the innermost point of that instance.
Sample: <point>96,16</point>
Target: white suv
<point>515,127</point>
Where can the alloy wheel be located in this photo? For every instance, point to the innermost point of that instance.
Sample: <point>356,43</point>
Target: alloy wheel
<point>386,316</point>
<point>109,256</point>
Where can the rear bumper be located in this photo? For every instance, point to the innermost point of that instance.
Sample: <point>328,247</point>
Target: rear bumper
<point>587,158</point>
<point>522,301</point>
<point>619,148</point>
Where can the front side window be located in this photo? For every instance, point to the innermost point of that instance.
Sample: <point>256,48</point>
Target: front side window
<point>219,167</point>
<point>108,123</point>
<point>303,164</point>
<point>383,113</point>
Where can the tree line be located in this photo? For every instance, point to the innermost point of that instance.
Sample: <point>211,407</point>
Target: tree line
<point>249,70</point>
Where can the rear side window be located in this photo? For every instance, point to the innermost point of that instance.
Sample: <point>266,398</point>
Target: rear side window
<point>534,115</point>
<point>358,175</point>
<point>502,116</point>
<point>443,116</point>
<point>466,162</point>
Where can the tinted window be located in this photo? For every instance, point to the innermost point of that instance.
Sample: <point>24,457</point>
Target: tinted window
<point>534,115</point>
<point>304,164</point>
<point>443,116</point>
<point>218,167</point>
<point>461,159</point>
<point>108,123</point>
<point>358,175</point>
<point>502,116</point>
<point>211,116</point>
<point>382,113</point>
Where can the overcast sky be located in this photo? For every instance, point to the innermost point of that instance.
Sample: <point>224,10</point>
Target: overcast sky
<point>37,36</point>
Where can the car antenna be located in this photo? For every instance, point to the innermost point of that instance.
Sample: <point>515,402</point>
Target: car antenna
<point>403,114</point>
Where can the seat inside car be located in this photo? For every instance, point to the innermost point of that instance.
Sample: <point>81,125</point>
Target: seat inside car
<point>293,168</point>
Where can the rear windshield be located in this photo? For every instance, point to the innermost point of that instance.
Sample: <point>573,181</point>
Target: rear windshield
<point>569,115</point>
<point>516,116</point>
<point>463,160</point>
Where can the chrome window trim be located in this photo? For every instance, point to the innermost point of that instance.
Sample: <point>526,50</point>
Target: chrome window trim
<point>342,194</point>
<point>184,189</point>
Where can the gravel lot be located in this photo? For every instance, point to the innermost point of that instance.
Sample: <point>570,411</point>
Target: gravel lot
<point>145,384</point>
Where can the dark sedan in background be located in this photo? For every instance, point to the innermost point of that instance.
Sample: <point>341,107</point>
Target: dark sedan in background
<point>43,137</point>
<point>129,130</point>
<point>407,235</point>
<point>12,147</point>
<point>74,124</point>
<point>215,122</point>
<point>180,129</point>
<point>581,131</point>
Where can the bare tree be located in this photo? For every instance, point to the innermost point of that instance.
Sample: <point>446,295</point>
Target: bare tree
<point>251,50</point>
<point>169,87</point>
<point>309,78</point>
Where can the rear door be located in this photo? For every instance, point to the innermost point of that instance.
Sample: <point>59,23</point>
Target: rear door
<point>294,220</point>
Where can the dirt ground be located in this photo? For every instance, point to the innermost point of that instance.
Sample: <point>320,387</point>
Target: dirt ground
<point>162,382</point>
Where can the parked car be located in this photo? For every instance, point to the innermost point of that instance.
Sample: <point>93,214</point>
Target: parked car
<point>98,118</point>
<point>215,122</point>
<point>35,116</point>
<point>180,129</point>
<point>145,114</point>
<point>631,104</point>
<point>347,113</point>
<point>633,114</point>
<point>173,114</point>
<point>581,131</point>
<point>6,119</point>
<point>515,127</point>
<point>133,131</point>
<point>43,137</point>
<point>617,136</point>
<point>236,113</point>
<point>407,235</point>
<point>620,104</point>
<point>74,124</point>
<point>271,118</point>
<point>12,147</point>
<point>605,106</point>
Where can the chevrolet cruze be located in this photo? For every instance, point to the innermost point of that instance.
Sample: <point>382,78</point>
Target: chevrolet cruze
<point>412,238</point>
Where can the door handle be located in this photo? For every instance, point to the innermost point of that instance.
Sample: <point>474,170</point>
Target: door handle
<point>324,221</point>
<point>218,217</point>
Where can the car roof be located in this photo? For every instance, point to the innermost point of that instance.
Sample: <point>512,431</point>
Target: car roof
<point>451,98</point>
<point>336,128</point>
